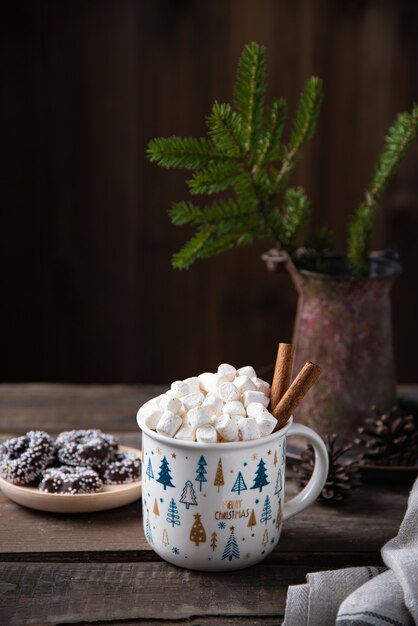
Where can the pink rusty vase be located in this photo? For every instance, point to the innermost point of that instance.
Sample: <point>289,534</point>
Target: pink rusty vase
<point>344,325</point>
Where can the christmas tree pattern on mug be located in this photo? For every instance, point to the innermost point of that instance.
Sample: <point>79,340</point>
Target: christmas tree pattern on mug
<point>188,496</point>
<point>164,476</point>
<point>213,541</point>
<point>252,521</point>
<point>266,512</point>
<point>231,550</point>
<point>279,484</point>
<point>148,533</point>
<point>165,539</point>
<point>260,479</point>
<point>149,471</point>
<point>197,533</point>
<point>173,516</point>
<point>219,477</point>
<point>239,484</point>
<point>279,516</point>
<point>201,471</point>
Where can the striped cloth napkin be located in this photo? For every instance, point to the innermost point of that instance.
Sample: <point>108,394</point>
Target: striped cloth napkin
<point>364,596</point>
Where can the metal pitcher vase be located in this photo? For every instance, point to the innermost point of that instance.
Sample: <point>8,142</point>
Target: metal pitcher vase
<point>344,324</point>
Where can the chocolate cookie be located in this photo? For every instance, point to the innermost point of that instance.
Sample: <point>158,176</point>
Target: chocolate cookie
<point>22,459</point>
<point>86,448</point>
<point>70,480</point>
<point>126,468</point>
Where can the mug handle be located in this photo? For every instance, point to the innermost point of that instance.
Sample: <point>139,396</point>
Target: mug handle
<point>311,491</point>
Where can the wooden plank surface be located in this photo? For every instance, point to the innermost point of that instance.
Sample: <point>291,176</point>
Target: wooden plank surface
<point>58,569</point>
<point>55,593</point>
<point>53,407</point>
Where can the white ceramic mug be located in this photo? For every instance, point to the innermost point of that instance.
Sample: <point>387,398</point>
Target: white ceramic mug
<point>221,506</point>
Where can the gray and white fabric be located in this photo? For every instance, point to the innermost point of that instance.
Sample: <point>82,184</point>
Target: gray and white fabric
<point>364,596</point>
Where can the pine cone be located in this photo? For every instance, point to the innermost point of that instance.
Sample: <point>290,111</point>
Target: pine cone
<point>388,438</point>
<point>342,477</point>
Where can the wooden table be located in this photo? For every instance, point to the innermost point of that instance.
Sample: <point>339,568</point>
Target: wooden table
<point>61,569</point>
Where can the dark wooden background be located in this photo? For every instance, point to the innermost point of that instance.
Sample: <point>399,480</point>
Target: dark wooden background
<point>86,288</point>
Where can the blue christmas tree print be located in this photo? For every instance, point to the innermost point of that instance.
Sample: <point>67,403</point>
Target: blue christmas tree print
<point>231,550</point>
<point>284,453</point>
<point>200,477</point>
<point>239,484</point>
<point>266,512</point>
<point>164,476</point>
<point>260,479</point>
<point>148,533</point>
<point>279,485</point>
<point>173,516</point>
<point>149,471</point>
<point>188,496</point>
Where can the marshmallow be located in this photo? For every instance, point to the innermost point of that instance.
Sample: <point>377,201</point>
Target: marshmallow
<point>192,400</point>
<point>243,383</point>
<point>228,392</point>
<point>234,408</point>
<point>266,423</point>
<point>150,417</point>
<point>213,403</point>
<point>227,371</point>
<point>247,371</point>
<point>179,388</point>
<point>169,403</point>
<point>206,434</point>
<point>261,385</point>
<point>255,396</point>
<point>206,382</point>
<point>249,428</point>
<point>199,416</point>
<point>193,384</point>
<point>168,424</point>
<point>153,403</point>
<point>255,408</point>
<point>227,428</point>
<point>186,433</point>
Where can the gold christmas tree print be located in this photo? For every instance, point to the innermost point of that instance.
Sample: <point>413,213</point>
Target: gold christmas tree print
<point>165,538</point>
<point>197,533</point>
<point>276,460</point>
<point>265,538</point>
<point>214,541</point>
<point>252,521</point>
<point>156,510</point>
<point>219,478</point>
<point>279,516</point>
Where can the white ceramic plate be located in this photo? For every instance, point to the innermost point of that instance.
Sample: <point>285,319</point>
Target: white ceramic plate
<point>112,496</point>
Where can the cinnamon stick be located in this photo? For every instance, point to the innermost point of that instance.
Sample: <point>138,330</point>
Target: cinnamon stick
<point>306,378</point>
<point>282,373</point>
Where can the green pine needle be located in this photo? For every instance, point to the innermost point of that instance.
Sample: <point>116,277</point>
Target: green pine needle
<point>225,129</point>
<point>185,152</point>
<point>297,208</point>
<point>398,139</point>
<point>214,178</point>
<point>249,92</point>
<point>244,153</point>
<point>303,128</point>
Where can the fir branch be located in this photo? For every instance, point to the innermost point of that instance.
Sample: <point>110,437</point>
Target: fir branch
<point>185,152</point>
<point>185,213</point>
<point>269,147</point>
<point>249,92</point>
<point>296,214</point>
<point>192,250</point>
<point>303,128</point>
<point>214,178</point>
<point>398,139</point>
<point>225,129</point>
